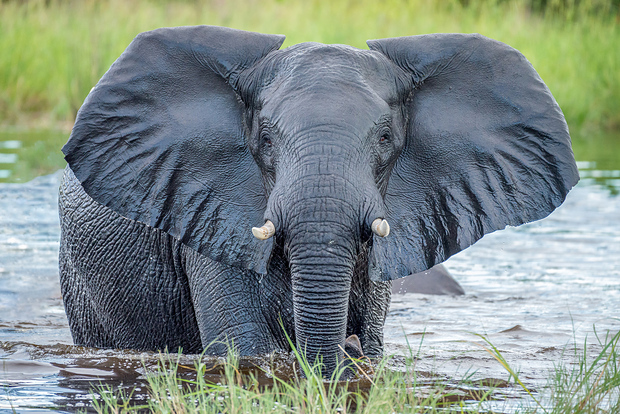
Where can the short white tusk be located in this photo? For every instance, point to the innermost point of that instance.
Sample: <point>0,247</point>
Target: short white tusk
<point>380,227</point>
<point>265,232</point>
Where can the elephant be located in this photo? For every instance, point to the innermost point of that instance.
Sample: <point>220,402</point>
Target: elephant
<point>223,191</point>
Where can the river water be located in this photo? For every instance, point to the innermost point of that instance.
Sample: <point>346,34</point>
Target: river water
<point>534,291</point>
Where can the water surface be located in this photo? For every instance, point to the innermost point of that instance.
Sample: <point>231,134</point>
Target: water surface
<point>534,291</point>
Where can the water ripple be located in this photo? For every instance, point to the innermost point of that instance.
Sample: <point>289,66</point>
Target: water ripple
<point>535,291</point>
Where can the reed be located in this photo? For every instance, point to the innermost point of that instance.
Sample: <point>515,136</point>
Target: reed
<point>580,386</point>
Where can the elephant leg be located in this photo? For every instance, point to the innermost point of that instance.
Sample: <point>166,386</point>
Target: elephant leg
<point>234,307</point>
<point>369,303</point>
<point>84,322</point>
<point>122,283</point>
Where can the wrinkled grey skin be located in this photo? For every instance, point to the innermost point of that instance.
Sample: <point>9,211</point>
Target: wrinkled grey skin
<point>197,134</point>
<point>126,285</point>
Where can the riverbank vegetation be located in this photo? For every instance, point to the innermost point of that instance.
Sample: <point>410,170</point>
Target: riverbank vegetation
<point>54,51</point>
<point>578,387</point>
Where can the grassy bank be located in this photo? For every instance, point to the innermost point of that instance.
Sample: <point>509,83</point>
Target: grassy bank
<point>580,386</point>
<point>54,51</point>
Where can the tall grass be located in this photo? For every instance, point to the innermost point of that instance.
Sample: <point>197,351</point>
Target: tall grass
<point>586,386</point>
<point>53,52</point>
<point>580,386</point>
<point>236,391</point>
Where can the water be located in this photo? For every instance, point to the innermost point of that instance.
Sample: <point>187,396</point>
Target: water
<point>534,291</point>
<point>26,154</point>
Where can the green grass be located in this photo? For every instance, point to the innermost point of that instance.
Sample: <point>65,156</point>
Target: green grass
<point>580,386</point>
<point>585,386</point>
<point>54,51</point>
<point>245,391</point>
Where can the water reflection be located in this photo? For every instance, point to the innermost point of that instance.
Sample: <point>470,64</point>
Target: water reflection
<point>12,144</point>
<point>610,179</point>
<point>26,154</point>
<point>9,158</point>
<point>533,290</point>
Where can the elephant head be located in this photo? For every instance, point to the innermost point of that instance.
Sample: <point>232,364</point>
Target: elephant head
<point>388,160</point>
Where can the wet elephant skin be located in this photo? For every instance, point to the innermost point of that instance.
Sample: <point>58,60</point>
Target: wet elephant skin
<point>198,134</point>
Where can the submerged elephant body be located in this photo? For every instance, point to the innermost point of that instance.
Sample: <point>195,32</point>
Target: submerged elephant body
<point>177,297</point>
<point>365,165</point>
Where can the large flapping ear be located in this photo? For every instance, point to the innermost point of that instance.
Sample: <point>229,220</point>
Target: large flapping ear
<point>487,146</point>
<point>160,140</point>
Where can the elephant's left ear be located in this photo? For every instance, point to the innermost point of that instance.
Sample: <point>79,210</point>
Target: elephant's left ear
<point>487,146</point>
<point>161,140</point>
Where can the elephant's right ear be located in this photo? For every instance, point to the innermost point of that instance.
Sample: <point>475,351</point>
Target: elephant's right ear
<point>161,140</point>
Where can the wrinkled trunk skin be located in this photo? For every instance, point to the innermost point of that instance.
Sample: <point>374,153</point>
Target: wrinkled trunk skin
<point>321,282</point>
<point>321,263</point>
<point>323,229</point>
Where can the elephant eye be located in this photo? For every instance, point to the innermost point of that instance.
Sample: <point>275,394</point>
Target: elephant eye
<point>265,139</point>
<point>385,136</point>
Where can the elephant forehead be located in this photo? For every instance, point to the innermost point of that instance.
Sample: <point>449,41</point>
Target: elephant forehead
<point>319,106</point>
<point>315,59</point>
<point>309,68</point>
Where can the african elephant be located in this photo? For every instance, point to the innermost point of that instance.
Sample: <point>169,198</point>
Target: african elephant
<point>219,188</point>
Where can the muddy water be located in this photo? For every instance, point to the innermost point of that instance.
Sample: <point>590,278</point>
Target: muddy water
<point>534,291</point>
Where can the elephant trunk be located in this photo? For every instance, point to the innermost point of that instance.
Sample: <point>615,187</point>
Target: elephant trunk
<point>322,205</point>
<point>321,281</point>
<point>322,243</point>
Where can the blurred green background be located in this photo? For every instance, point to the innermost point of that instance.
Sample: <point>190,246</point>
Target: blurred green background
<point>52,52</point>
